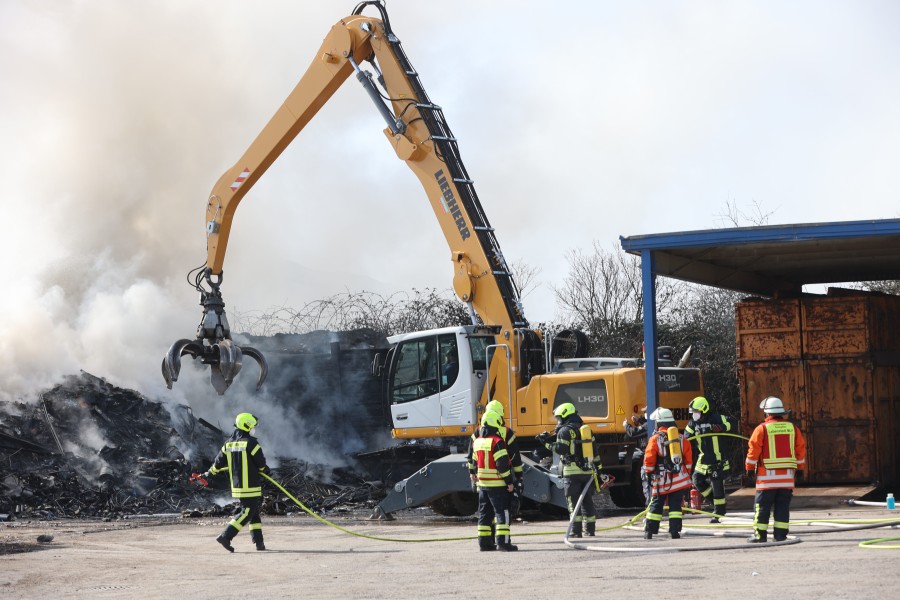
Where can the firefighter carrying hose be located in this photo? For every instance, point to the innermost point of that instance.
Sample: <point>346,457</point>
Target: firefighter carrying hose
<point>494,476</point>
<point>775,453</point>
<point>243,458</point>
<point>667,461</point>
<point>711,450</point>
<point>577,471</point>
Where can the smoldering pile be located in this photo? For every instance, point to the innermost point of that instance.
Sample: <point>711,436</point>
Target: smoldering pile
<point>88,449</point>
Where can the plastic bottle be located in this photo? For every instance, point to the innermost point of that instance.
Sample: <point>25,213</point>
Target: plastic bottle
<point>891,503</point>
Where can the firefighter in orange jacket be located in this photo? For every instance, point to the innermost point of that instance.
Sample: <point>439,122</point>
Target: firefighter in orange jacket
<point>667,463</point>
<point>492,471</point>
<point>776,451</point>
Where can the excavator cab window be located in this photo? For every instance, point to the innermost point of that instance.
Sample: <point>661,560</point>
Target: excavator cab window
<point>416,375</point>
<point>449,360</point>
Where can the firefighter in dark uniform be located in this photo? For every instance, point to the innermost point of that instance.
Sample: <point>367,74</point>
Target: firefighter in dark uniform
<point>712,463</point>
<point>494,478</point>
<point>577,472</point>
<point>636,431</point>
<point>242,457</point>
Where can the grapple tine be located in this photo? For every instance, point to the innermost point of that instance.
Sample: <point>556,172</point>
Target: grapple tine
<point>230,360</point>
<point>261,361</point>
<point>171,364</point>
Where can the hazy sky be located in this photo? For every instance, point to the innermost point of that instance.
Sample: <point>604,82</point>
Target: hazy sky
<point>579,121</point>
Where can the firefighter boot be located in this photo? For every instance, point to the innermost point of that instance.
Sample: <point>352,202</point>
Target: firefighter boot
<point>651,528</point>
<point>486,544</point>
<point>590,529</point>
<point>575,530</point>
<point>758,537</point>
<point>507,547</point>
<point>226,536</point>
<point>257,537</point>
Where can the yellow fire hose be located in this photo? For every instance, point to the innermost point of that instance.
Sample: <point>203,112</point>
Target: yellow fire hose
<point>844,525</point>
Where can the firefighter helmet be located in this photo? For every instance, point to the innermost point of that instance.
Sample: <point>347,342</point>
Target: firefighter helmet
<point>492,419</point>
<point>245,422</point>
<point>494,406</point>
<point>772,406</point>
<point>564,410</point>
<point>700,404</point>
<point>662,416</point>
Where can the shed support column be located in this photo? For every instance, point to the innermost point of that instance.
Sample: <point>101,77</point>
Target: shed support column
<point>648,280</point>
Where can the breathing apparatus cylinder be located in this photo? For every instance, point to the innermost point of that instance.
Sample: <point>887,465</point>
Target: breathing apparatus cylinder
<point>587,443</point>
<point>674,445</point>
<point>587,451</point>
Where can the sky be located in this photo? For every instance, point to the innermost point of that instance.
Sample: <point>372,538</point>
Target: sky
<point>580,122</point>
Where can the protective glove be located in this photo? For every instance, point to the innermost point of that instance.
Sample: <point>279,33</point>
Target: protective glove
<point>624,423</point>
<point>751,475</point>
<point>519,486</point>
<point>266,471</point>
<point>717,429</point>
<point>635,421</point>
<point>798,475</point>
<point>543,438</point>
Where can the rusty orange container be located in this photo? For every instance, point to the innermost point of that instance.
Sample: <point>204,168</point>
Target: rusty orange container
<point>843,388</point>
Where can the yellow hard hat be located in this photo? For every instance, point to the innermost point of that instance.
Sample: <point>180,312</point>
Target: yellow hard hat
<point>245,421</point>
<point>494,406</point>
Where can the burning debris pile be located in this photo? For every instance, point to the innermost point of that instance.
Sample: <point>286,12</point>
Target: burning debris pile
<point>88,449</point>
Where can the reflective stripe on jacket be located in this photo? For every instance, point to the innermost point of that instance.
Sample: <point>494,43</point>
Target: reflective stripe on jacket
<point>710,447</point>
<point>243,458</point>
<point>492,462</point>
<point>663,481</point>
<point>775,450</point>
<point>512,447</point>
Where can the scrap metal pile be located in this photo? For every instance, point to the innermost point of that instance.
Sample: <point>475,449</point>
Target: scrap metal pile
<point>88,449</point>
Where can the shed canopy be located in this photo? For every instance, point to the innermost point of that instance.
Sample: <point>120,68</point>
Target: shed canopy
<point>776,259</point>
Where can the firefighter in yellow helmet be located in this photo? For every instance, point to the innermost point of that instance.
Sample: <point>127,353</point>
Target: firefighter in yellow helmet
<point>577,471</point>
<point>493,472</point>
<point>242,457</point>
<point>710,451</point>
<point>512,444</point>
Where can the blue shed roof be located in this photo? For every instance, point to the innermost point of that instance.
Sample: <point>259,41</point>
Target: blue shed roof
<point>775,259</point>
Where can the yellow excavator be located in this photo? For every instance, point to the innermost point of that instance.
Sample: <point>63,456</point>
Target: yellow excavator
<point>436,382</point>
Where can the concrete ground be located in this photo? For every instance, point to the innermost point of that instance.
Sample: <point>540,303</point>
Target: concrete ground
<point>168,558</point>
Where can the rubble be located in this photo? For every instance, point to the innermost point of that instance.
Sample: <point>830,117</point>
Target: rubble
<point>91,450</point>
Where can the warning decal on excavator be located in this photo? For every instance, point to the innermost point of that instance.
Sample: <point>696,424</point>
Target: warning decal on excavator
<point>620,411</point>
<point>240,179</point>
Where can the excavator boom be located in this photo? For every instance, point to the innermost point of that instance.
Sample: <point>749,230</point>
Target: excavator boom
<point>420,136</point>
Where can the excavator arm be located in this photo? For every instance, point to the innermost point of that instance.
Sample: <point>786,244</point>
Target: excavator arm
<point>420,136</point>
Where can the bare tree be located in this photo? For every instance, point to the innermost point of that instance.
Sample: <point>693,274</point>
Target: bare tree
<point>400,312</point>
<point>734,216</point>
<point>525,276</point>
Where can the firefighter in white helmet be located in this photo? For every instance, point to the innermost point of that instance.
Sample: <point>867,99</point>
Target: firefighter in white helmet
<point>667,462</point>
<point>775,453</point>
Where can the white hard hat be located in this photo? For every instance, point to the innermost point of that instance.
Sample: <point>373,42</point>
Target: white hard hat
<point>772,406</point>
<point>662,415</point>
